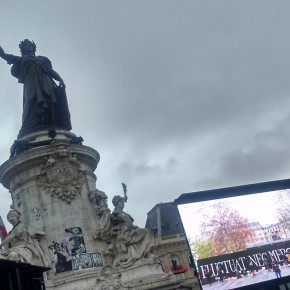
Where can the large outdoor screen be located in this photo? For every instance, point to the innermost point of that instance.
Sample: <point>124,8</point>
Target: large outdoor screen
<point>239,236</point>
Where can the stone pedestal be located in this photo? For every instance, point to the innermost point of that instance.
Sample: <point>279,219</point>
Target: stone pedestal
<point>49,185</point>
<point>50,176</point>
<point>146,276</point>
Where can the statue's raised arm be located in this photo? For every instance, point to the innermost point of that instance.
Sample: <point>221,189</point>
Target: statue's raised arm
<point>44,102</point>
<point>10,58</point>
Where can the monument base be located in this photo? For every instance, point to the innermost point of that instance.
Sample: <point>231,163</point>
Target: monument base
<point>139,277</point>
<point>50,176</point>
<point>80,280</point>
<point>146,276</point>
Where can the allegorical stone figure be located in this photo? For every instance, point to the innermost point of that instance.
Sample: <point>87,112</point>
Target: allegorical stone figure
<point>44,102</point>
<point>100,203</point>
<point>24,245</point>
<point>131,242</point>
<point>127,243</point>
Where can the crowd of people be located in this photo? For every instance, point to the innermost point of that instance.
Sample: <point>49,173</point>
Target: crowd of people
<point>269,264</point>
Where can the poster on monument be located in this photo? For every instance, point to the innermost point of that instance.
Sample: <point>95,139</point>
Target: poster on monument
<point>71,253</point>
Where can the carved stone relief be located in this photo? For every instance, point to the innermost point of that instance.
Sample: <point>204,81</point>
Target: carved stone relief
<point>61,176</point>
<point>36,213</point>
<point>108,279</point>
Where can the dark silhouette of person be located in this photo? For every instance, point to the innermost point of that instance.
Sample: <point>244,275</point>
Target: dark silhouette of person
<point>208,275</point>
<point>174,264</point>
<point>277,270</point>
<point>221,274</point>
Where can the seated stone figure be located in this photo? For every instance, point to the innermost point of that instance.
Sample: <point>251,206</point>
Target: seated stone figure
<point>22,244</point>
<point>131,243</point>
<point>100,204</point>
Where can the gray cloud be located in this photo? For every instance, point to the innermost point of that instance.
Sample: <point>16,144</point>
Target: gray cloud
<point>176,96</point>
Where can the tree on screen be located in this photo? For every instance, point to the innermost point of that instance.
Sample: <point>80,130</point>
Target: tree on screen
<point>202,248</point>
<point>227,230</point>
<point>283,210</point>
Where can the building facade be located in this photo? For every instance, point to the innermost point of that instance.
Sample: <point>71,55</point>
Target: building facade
<point>171,245</point>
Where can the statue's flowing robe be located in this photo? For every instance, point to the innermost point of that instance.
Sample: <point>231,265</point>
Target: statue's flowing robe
<point>44,103</point>
<point>132,242</point>
<point>28,248</point>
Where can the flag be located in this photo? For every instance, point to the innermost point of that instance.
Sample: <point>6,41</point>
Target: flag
<point>3,231</point>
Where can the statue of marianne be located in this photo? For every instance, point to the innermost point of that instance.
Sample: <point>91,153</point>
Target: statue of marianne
<point>44,102</point>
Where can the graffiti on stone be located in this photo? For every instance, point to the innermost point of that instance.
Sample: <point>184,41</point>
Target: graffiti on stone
<point>36,213</point>
<point>97,260</point>
<point>87,260</point>
<point>62,259</point>
<point>76,241</point>
<point>45,210</point>
<point>18,200</point>
<point>71,253</point>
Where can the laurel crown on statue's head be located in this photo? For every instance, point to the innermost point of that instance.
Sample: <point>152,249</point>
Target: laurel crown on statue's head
<point>24,43</point>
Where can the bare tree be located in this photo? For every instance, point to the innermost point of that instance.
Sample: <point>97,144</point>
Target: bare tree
<point>227,229</point>
<point>283,213</point>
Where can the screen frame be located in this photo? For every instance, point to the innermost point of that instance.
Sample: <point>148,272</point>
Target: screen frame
<point>234,191</point>
<point>239,190</point>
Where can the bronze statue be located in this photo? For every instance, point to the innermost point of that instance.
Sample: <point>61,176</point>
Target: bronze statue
<point>44,102</point>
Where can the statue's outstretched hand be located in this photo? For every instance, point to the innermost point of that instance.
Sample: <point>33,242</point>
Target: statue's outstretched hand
<point>1,52</point>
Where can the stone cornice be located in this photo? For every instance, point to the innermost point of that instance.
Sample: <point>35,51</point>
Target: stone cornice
<point>35,157</point>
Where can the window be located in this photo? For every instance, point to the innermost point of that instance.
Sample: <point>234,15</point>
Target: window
<point>174,261</point>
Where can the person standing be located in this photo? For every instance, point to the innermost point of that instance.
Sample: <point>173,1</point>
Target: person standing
<point>277,270</point>
<point>221,274</point>
<point>208,276</point>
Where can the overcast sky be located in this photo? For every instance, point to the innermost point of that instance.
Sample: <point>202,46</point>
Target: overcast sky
<point>176,96</point>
